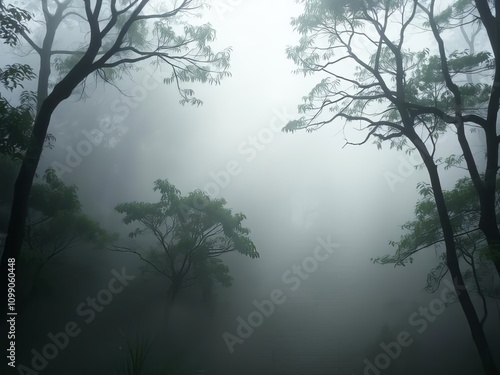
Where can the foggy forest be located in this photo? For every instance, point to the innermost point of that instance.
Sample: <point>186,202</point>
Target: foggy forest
<point>244,187</point>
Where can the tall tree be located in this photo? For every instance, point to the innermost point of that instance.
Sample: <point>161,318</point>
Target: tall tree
<point>191,233</point>
<point>118,34</point>
<point>373,76</point>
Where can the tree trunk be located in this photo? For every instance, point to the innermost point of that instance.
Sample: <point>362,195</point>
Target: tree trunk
<point>173,291</point>
<point>488,222</point>
<point>454,267</point>
<point>19,208</point>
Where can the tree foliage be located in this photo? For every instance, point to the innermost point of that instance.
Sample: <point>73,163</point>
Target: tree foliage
<point>191,233</point>
<point>16,120</point>
<point>425,232</point>
<point>17,123</point>
<point>12,22</point>
<point>56,222</point>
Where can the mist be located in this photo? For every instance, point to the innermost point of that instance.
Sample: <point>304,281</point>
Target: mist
<point>318,210</point>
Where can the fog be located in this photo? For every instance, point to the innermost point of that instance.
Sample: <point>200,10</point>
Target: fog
<point>302,194</point>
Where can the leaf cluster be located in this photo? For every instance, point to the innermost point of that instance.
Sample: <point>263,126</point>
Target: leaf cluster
<point>425,232</point>
<point>56,222</point>
<point>16,125</point>
<point>12,23</point>
<point>15,120</point>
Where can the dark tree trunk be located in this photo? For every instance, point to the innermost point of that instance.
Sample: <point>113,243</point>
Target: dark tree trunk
<point>19,208</point>
<point>24,182</point>
<point>173,291</point>
<point>453,264</point>
<point>488,223</point>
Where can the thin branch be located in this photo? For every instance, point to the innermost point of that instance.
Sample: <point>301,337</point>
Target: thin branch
<point>123,249</point>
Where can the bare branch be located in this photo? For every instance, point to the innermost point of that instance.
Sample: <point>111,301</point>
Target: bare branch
<point>124,249</point>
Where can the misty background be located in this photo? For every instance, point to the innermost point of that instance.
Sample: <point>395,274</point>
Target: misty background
<point>293,189</point>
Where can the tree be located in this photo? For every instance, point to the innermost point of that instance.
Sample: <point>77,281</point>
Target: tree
<point>191,233</point>
<point>373,77</point>
<point>119,34</point>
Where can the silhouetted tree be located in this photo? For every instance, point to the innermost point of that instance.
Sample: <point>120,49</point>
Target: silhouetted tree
<point>191,232</point>
<point>373,76</point>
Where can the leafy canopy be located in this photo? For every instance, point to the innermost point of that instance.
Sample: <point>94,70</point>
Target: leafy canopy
<point>191,232</point>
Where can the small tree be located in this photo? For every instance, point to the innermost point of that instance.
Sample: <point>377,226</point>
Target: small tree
<point>191,233</point>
